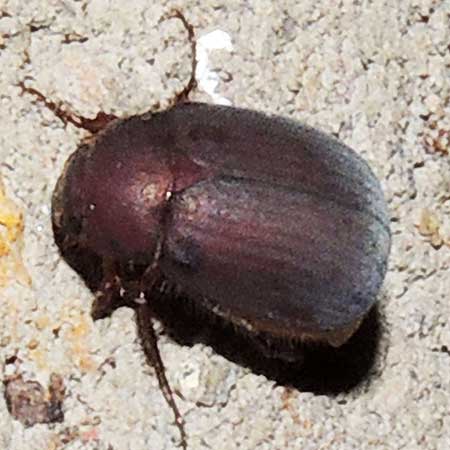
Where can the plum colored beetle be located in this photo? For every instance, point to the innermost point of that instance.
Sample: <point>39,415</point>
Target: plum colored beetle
<point>269,223</point>
<point>266,222</point>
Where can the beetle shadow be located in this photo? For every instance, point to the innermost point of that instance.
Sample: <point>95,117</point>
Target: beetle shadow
<point>320,369</point>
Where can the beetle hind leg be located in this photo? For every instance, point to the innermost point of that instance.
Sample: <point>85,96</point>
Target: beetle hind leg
<point>149,340</point>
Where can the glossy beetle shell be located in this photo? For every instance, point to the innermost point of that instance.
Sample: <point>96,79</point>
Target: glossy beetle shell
<point>269,223</point>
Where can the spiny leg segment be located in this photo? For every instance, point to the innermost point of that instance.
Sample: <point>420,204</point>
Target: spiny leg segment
<point>149,340</point>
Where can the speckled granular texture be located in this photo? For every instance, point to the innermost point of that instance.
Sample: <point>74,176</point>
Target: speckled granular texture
<point>374,73</point>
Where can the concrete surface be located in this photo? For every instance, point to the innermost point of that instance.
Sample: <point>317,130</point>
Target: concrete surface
<point>375,73</point>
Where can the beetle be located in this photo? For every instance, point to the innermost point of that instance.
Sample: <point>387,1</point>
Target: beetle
<point>268,223</point>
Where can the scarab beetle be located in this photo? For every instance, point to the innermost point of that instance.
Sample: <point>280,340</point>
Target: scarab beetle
<point>272,224</point>
<point>268,223</point>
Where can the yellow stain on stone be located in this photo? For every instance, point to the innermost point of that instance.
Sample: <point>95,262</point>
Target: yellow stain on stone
<point>11,242</point>
<point>429,226</point>
<point>40,357</point>
<point>81,326</point>
<point>42,322</point>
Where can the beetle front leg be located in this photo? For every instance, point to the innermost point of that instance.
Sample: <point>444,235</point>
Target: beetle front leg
<point>94,125</point>
<point>110,293</point>
<point>183,96</point>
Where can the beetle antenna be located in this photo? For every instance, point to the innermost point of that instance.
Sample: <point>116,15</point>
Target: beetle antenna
<point>183,96</point>
<point>149,340</point>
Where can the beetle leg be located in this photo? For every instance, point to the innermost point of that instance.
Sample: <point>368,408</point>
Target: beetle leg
<point>109,294</point>
<point>183,96</point>
<point>95,125</point>
<point>149,340</point>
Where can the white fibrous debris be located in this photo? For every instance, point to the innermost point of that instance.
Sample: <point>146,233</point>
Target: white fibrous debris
<point>208,79</point>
